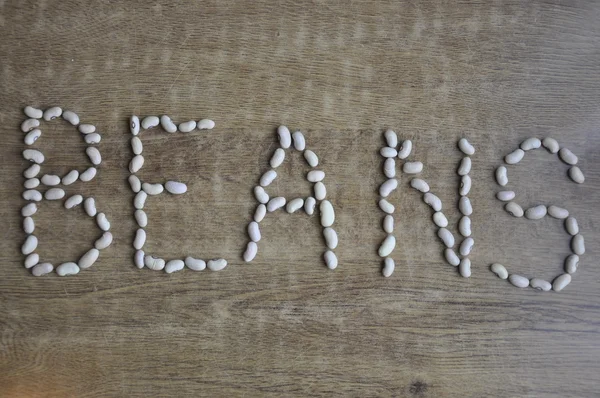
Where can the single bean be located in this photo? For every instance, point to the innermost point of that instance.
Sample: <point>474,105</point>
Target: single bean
<point>388,152</point>
<point>267,178</point>
<point>294,205</point>
<point>465,166</point>
<point>88,175</point>
<point>285,140</point>
<point>70,177</point>
<point>42,269</point>
<point>167,124</point>
<point>388,267</point>
<point>446,237</point>
<point>261,211</point>
<point>174,266</point>
<point>536,212</point>
<point>514,209</point>
<point>149,122</point>
<point>420,185</point>
<point>465,185</point>
<point>515,156</point>
<point>412,167</point>
<point>277,158</point>
<point>501,176</point>
<point>551,144</point>
<point>388,187</point>
<point>251,251</point>
<point>558,212</point>
<point>567,156</point>
<point>405,149</point>
<point>186,127</point>
<point>90,207</point>
<point>140,239</point>
<point>388,224</point>
<point>196,264</point>
<point>578,244</point>
<point>86,128</point>
<point>576,175</point>
<point>54,194</point>
<point>389,168</point>
<point>330,259</point>
<point>254,231</point>
<point>52,113</point>
<point>505,196</point>
<point>499,270</point>
<point>88,259</point>
<point>464,205</point>
<point>464,226</point>
<point>518,280</point>
<point>433,201</point>
<point>540,284</point>
<point>327,213</point>
<point>561,282</point>
<point>206,124</point>
<point>451,257</point>
<point>466,147</point>
<point>299,141</point>
<point>32,136</point>
<point>386,206</point>
<point>440,219</point>
<point>217,264</point>
<point>465,268</point>
<point>531,143</point>
<point>309,205</point>
<point>275,204</point>
<point>571,263</point>
<point>71,117</point>
<point>572,226</point>
<point>311,158</point>
<point>33,113</point>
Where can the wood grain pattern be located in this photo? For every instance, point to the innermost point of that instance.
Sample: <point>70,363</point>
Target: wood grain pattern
<point>343,72</point>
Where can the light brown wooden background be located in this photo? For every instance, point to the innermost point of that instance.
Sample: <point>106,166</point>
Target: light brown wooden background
<point>496,72</point>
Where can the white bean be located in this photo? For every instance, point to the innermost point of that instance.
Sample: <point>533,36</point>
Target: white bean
<point>275,204</point>
<point>285,140</point>
<point>389,168</point>
<point>451,257</point>
<point>388,152</point>
<point>505,196</point>
<point>33,155</point>
<point>386,206</point>
<point>71,117</point>
<point>141,218</point>
<point>327,213</point>
<point>465,185</point>
<point>294,205</point>
<point>465,268</point>
<point>167,124</point>
<point>140,199</point>
<point>277,158</point>
<point>136,164</point>
<point>576,175</point>
<point>260,194</point>
<point>440,219</point>
<point>94,155</point>
<point>254,231</point>
<point>331,238</point>
<point>29,245</point>
<point>136,145</point>
<point>102,222</point>
<point>309,205</point>
<point>558,212</point>
<point>251,251</point>
<point>561,282</point>
<point>217,264</point>
<point>29,210</point>
<point>420,185</point>
<point>515,156</point>
<point>33,113</point>
<point>518,280</point>
<point>551,144</point>
<point>153,189</point>
<point>299,141</point>
<point>572,226</point>
<point>50,180</point>
<point>138,259</point>
<point>90,207</point>
<point>466,147</point>
<point>320,190</point>
<point>52,113</point>
<point>501,176</point>
<point>387,246</point>
<point>571,263</point>
<point>32,171</point>
<point>466,246</point>
<point>514,209</point>
<point>446,237</point>
<point>150,122</point>
<point>29,125</point>
<point>405,149</point>
<point>88,259</point>
<point>260,212</point>
<point>31,260</point>
<point>42,269</point>
<point>499,270</point>
<point>388,224</point>
<point>464,167</point>
<point>388,267</point>
<point>388,187</point>
<point>134,183</point>
<point>175,187</point>
<point>28,225</point>
<point>315,175</point>
<point>267,178</point>
<point>140,239</point>
<point>86,128</point>
<point>174,266</point>
<point>31,183</point>
<point>88,175</point>
<point>206,124</point>
<point>531,143</point>
<point>134,125</point>
<point>311,158</point>
<point>567,156</point>
<point>73,201</point>
<point>65,269</point>
<point>32,194</point>
<point>70,177</point>
<point>464,205</point>
<point>186,127</point>
<point>536,212</point>
<point>32,136</point>
<point>154,263</point>
<point>196,264</point>
<point>464,226</point>
<point>412,167</point>
<point>391,138</point>
<point>54,194</point>
<point>578,245</point>
<point>540,284</point>
<point>330,259</point>
<point>433,201</point>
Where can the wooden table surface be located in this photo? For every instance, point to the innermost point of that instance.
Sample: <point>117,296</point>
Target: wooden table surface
<point>284,325</point>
